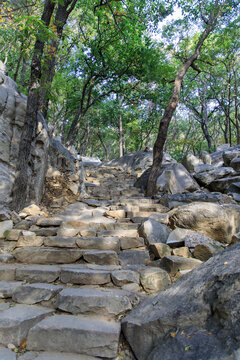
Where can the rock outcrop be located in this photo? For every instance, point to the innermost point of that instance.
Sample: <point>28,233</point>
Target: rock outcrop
<point>196,318</point>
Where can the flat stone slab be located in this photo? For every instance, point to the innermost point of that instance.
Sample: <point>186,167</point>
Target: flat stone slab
<point>6,354</point>
<point>85,276</point>
<point>59,241</point>
<point>101,257</point>
<point>99,243</point>
<point>34,293</point>
<point>119,232</point>
<point>7,272</point>
<point>134,257</point>
<point>7,288</point>
<point>131,242</point>
<point>62,356</point>
<point>123,277</point>
<point>75,334</point>
<point>51,231</point>
<point>172,264</point>
<point>38,273</point>
<point>47,255</point>
<point>48,222</point>
<point>91,301</point>
<point>16,322</point>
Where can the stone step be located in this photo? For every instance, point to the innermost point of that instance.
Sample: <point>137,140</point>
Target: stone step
<point>99,243</point>
<point>52,356</point>
<point>143,214</point>
<point>7,288</point>
<point>101,257</point>
<point>36,293</point>
<point>8,272</point>
<point>75,334</point>
<point>16,322</point>
<point>119,233</point>
<point>40,255</point>
<point>38,273</point>
<point>85,276</point>
<point>134,257</point>
<point>110,303</point>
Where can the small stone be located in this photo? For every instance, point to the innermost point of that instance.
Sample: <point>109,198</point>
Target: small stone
<point>172,264</point>
<point>31,210</point>
<point>4,226</point>
<point>182,251</point>
<point>29,238</point>
<point>154,280</point>
<point>203,252</point>
<point>74,188</point>
<point>13,234</point>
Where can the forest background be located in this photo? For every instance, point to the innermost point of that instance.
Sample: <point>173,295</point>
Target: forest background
<point>107,71</point>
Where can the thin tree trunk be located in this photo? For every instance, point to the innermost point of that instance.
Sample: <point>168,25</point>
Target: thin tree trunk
<point>104,146</point>
<point>20,189</point>
<point>171,107</point>
<point>120,136</point>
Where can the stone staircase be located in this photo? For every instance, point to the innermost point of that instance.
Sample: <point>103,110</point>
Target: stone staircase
<point>68,279</point>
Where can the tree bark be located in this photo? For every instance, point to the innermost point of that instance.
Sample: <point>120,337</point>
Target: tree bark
<point>171,107</point>
<point>121,151</point>
<point>20,189</point>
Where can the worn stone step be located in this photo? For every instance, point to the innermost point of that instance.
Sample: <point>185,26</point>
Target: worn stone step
<point>101,257</point>
<point>8,272</point>
<point>119,232</point>
<point>46,231</point>
<point>35,293</point>
<point>131,242</point>
<point>55,356</point>
<point>85,276</point>
<point>134,214</point>
<point>7,288</point>
<point>60,241</point>
<point>93,302</point>
<point>134,257</point>
<point>38,273</point>
<point>36,255</point>
<point>99,243</point>
<point>16,322</point>
<point>75,334</point>
<point>48,222</point>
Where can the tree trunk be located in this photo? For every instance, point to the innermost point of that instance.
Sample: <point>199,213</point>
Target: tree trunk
<point>63,11</point>
<point>104,147</point>
<point>120,136</point>
<point>171,107</point>
<point>20,189</point>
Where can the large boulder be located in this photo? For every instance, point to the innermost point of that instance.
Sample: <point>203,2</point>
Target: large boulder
<point>173,178</point>
<point>140,160</point>
<point>219,222</point>
<point>173,200</point>
<point>190,161</point>
<point>207,177</point>
<point>204,303</point>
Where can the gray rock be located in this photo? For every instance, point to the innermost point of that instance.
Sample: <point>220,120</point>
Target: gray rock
<point>75,334</point>
<point>235,163</point>
<point>99,243</point>
<point>101,257</point>
<point>186,198</point>
<point>7,288</point>
<point>190,344</point>
<point>59,241</point>
<point>153,280</point>
<point>16,322</point>
<point>6,354</point>
<point>229,155</point>
<point>85,276</point>
<point>61,356</point>
<point>38,273</point>
<point>5,226</point>
<point>131,242</point>
<point>7,272</point>
<point>201,217</point>
<point>91,301</point>
<point>160,250</point>
<point>204,251</point>
<point>176,237</point>
<point>223,185</point>
<point>122,277</point>
<point>207,298</point>
<point>206,178</point>
<point>172,264</point>
<point>34,293</point>
<point>134,257</point>
<point>48,222</point>
<point>153,231</point>
<point>190,161</point>
<point>46,255</point>
<point>234,190</point>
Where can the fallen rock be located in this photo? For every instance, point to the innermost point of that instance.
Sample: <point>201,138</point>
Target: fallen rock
<point>219,222</point>
<point>154,280</point>
<point>208,299</point>
<point>154,232</point>
<point>172,264</point>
